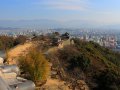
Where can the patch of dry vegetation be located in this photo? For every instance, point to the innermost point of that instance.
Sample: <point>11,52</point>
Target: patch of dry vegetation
<point>35,66</point>
<point>17,51</point>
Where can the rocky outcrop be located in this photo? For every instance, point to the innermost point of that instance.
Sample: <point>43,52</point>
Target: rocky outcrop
<point>9,79</point>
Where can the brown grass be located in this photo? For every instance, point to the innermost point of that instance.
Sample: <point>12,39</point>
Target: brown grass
<point>18,51</point>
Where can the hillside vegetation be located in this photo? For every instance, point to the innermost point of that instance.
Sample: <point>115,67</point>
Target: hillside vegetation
<point>79,65</point>
<point>7,42</point>
<point>99,67</point>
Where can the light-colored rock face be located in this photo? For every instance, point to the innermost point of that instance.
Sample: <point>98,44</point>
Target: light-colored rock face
<point>10,68</point>
<point>1,61</point>
<point>10,81</point>
<point>4,85</point>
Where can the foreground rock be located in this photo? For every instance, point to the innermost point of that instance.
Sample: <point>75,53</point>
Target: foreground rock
<point>9,79</point>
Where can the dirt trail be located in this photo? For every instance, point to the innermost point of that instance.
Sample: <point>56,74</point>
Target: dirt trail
<point>17,51</point>
<point>54,84</point>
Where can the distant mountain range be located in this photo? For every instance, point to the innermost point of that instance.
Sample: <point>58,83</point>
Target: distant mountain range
<point>8,28</point>
<point>30,23</point>
<point>44,23</point>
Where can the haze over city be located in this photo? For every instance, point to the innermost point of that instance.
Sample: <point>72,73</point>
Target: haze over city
<point>60,13</point>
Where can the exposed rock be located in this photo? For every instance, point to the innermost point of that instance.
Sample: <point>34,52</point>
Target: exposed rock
<point>54,84</point>
<point>82,85</point>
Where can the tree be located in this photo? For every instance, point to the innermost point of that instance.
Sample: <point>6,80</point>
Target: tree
<point>20,40</point>
<point>35,66</point>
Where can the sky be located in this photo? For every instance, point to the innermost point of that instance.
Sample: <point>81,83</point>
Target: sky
<point>99,11</point>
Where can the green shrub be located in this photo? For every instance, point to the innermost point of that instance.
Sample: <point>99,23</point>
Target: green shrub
<point>108,80</point>
<point>79,61</point>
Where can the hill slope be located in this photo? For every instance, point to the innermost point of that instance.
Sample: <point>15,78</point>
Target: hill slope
<point>99,67</point>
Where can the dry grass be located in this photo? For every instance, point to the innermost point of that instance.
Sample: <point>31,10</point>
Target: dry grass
<point>17,51</point>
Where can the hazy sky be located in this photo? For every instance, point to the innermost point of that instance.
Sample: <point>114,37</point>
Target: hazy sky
<point>102,11</point>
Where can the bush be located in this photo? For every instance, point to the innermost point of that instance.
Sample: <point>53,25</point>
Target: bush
<point>6,42</point>
<point>74,58</point>
<point>108,80</point>
<point>35,66</point>
<point>20,40</point>
<point>79,61</point>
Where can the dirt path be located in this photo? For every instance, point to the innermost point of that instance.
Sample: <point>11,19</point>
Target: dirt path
<point>17,51</point>
<point>54,84</point>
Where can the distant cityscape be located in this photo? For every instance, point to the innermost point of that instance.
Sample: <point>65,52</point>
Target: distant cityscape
<point>106,38</point>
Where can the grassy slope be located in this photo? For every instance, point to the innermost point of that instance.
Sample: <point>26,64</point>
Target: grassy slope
<point>101,59</point>
<point>109,58</point>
